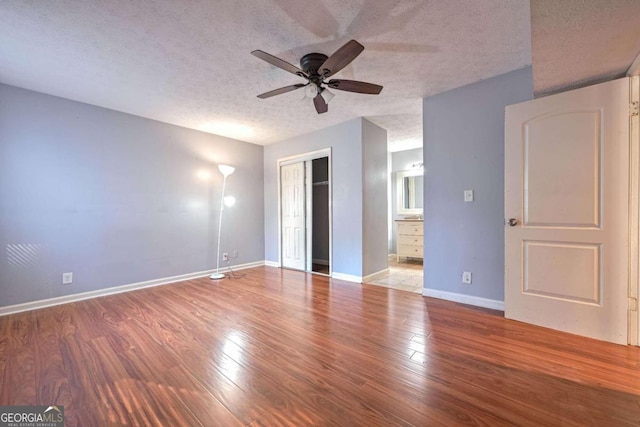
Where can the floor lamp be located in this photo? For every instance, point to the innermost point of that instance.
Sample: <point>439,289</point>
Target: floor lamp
<point>225,170</point>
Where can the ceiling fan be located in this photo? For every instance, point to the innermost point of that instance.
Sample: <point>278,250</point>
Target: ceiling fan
<point>316,67</point>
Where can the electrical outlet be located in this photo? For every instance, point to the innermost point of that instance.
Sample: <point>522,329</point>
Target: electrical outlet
<point>468,195</point>
<point>466,277</point>
<point>67,278</point>
<point>235,254</point>
<point>225,256</point>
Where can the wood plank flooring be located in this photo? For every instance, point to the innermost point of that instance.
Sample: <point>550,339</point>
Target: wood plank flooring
<point>279,347</point>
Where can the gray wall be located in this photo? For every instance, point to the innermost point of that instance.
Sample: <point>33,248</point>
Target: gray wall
<point>464,149</point>
<point>374,177</point>
<point>400,161</point>
<point>359,184</point>
<point>114,198</point>
<point>345,141</point>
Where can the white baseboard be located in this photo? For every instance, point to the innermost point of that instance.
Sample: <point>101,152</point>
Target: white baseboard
<point>464,299</point>
<point>346,277</point>
<point>272,264</point>
<point>370,277</point>
<point>320,261</point>
<point>246,265</point>
<point>49,302</point>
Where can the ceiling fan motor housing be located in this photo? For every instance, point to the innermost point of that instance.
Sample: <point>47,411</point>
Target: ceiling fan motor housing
<point>311,62</point>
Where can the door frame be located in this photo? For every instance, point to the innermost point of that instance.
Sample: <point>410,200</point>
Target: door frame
<point>633,310</point>
<point>304,157</point>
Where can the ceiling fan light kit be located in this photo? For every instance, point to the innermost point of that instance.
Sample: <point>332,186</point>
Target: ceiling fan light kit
<point>311,91</point>
<point>327,95</point>
<point>316,67</point>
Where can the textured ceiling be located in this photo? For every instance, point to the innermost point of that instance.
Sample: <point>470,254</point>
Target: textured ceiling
<point>188,62</point>
<point>579,42</point>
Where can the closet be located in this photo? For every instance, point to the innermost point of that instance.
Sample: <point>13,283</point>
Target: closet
<point>305,212</point>
<point>320,215</point>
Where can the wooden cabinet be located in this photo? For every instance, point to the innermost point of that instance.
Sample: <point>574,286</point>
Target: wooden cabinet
<point>410,235</point>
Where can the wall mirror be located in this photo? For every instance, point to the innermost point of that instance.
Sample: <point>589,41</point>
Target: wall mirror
<point>410,185</point>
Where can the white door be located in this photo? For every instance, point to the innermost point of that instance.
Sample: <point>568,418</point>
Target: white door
<point>292,180</point>
<point>567,186</point>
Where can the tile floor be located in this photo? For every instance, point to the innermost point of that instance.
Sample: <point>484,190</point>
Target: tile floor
<point>407,275</point>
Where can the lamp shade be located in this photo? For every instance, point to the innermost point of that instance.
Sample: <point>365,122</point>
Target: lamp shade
<point>311,91</point>
<point>226,170</point>
<point>328,96</point>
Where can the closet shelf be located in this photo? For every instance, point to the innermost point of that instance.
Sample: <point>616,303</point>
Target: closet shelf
<point>321,183</point>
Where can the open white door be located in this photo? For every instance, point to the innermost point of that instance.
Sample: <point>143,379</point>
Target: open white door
<point>566,208</point>
<point>293,216</point>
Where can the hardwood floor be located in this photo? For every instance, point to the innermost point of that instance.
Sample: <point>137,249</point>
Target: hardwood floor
<point>279,347</point>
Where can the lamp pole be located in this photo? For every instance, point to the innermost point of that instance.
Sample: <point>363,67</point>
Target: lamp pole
<point>226,171</point>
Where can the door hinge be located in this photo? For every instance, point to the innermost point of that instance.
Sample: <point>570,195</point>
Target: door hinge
<point>633,109</point>
<point>633,304</point>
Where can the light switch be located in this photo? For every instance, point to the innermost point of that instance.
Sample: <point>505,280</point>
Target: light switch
<point>468,195</point>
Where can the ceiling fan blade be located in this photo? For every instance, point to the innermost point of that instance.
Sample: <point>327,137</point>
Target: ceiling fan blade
<point>281,90</point>
<point>321,105</point>
<point>355,86</point>
<point>341,58</point>
<point>278,63</point>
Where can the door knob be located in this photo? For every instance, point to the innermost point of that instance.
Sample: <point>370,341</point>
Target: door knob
<point>513,222</point>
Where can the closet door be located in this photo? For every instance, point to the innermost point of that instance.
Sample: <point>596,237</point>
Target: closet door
<point>292,179</point>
